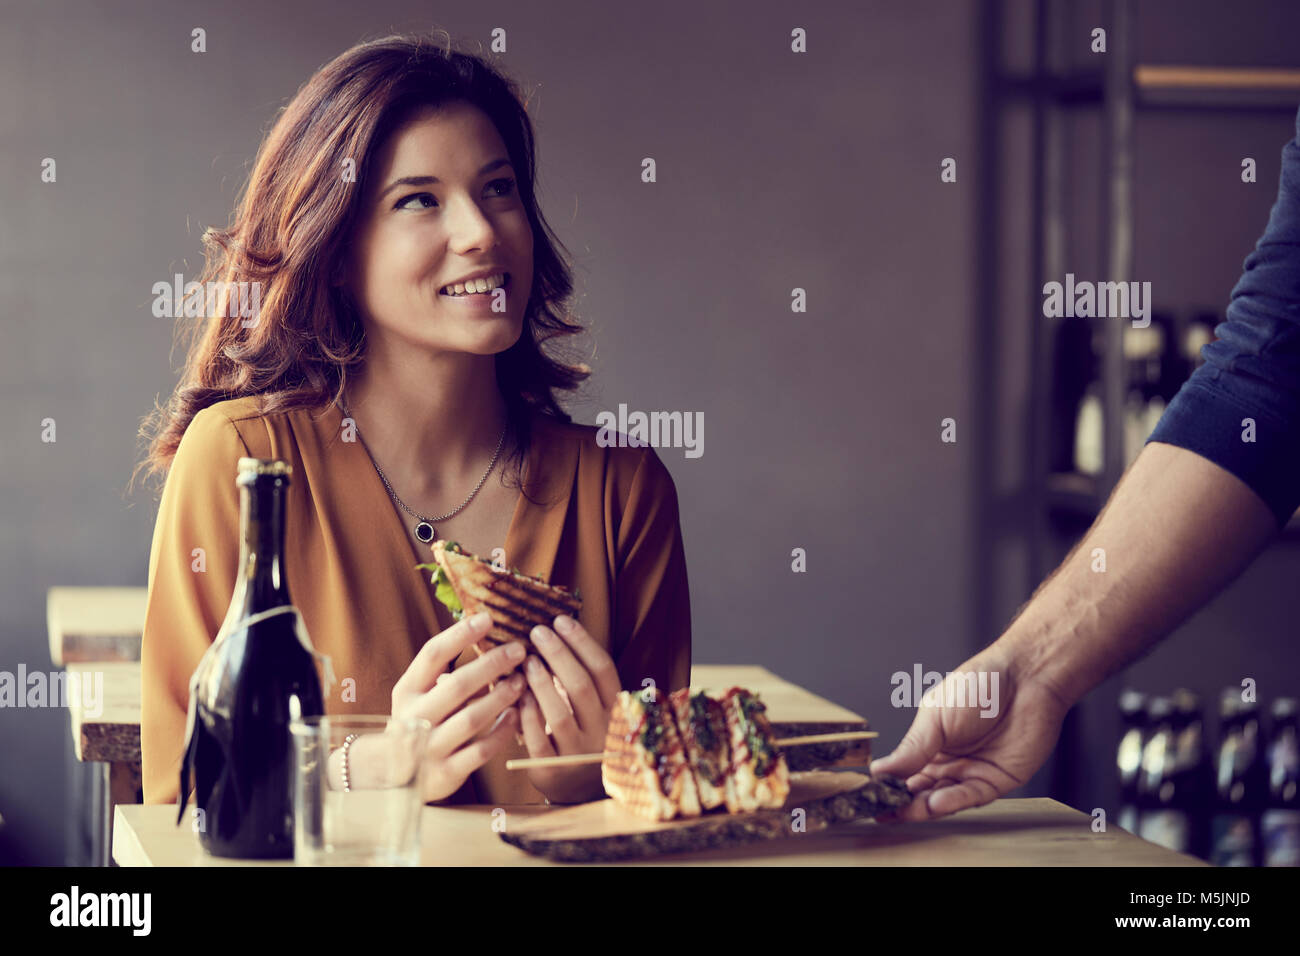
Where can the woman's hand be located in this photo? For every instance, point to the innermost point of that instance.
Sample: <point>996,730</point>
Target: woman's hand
<point>455,748</point>
<point>584,673</point>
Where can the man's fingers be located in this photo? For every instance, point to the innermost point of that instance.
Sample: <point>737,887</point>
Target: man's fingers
<point>920,781</point>
<point>947,798</point>
<point>913,752</point>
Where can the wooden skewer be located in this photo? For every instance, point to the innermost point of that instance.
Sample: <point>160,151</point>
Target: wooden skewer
<point>828,738</point>
<point>572,760</point>
<point>578,760</point>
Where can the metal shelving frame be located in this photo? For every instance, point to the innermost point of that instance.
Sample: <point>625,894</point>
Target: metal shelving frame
<point>1120,89</point>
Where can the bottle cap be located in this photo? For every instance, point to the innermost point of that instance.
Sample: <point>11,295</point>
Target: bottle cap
<point>1132,702</point>
<point>250,468</point>
<point>1283,708</point>
<point>1186,703</point>
<point>1159,709</point>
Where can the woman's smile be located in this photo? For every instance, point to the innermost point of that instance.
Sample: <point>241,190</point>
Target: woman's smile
<point>480,302</point>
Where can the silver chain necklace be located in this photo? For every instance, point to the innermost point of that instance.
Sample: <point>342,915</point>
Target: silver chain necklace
<point>424,529</point>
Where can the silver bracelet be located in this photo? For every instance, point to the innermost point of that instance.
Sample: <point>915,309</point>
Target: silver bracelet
<point>347,744</point>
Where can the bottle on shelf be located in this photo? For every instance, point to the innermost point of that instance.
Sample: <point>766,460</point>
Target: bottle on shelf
<point>1240,784</point>
<point>1280,822</point>
<point>1193,776</point>
<point>259,671</point>
<point>1074,365</point>
<point>1144,350</point>
<point>1198,333</point>
<point>1163,814</point>
<point>1089,437</point>
<point>1174,363</point>
<point>1133,716</point>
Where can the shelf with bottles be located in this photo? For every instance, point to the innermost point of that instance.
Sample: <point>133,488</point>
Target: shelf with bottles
<point>1158,359</point>
<point>1236,804</point>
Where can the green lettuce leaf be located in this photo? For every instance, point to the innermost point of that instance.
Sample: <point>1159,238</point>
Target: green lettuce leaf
<point>443,590</point>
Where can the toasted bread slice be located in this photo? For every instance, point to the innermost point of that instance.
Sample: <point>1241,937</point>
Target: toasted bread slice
<point>644,768</point>
<point>517,602</point>
<point>702,725</point>
<point>759,774</point>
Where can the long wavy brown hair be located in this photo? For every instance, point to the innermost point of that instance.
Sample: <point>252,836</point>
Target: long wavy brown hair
<point>290,229</point>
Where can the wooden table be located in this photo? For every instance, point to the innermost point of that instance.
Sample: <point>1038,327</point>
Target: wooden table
<point>113,736</point>
<point>94,629</point>
<point>108,735</point>
<point>94,624</point>
<point>1024,832</point>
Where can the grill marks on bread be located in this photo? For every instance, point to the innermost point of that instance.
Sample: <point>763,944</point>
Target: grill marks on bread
<point>516,602</point>
<point>699,755</point>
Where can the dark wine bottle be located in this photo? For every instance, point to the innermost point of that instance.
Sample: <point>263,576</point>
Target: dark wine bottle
<point>238,744</point>
<point>1165,812</point>
<point>1195,777</point>
<point>1241,784</point>
<point>1280,825</point>
<point>1133,712</point>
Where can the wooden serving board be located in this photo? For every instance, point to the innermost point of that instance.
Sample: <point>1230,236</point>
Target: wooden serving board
<point>603,831</point>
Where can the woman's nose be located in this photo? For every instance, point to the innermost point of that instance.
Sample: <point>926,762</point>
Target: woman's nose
<point>468,228</point>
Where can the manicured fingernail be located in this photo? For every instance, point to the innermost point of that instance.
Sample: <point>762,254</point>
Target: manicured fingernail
<point>564,623</point>
<point>534,667</point>
<point>542,636</point>
<point>515,651</point>
<point>517,682</point>
<point>481,621</point>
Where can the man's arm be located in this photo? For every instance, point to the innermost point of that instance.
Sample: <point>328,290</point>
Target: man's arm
<point>1176,530</point>
<point>1217,478</point>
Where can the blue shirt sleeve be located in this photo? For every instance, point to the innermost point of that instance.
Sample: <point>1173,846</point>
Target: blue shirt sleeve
<point>1252,369</point>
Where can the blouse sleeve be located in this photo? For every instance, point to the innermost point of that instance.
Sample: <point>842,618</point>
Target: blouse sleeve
<point>652,618</point>
<point>192,568</point>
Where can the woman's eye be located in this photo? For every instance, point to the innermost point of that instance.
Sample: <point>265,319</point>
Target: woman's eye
<point>500,187</point>
<point>401,203</point>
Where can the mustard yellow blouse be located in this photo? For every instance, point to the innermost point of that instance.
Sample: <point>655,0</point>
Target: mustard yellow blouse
<point>608,524</point>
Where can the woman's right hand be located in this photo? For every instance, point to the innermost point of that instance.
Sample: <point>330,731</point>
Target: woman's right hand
<point>427,690</point>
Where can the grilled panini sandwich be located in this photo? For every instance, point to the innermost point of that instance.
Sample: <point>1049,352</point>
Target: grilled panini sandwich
<point>702,725</point>
<point>645,768</point>
<point>759,776</point>
<point>468,584</point>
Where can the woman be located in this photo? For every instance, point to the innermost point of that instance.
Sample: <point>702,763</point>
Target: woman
<point>399,170</point>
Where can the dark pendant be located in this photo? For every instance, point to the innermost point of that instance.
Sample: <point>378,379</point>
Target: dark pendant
<point>424,531</point>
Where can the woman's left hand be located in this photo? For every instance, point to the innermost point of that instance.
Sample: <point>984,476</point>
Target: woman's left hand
<point>585,674</point>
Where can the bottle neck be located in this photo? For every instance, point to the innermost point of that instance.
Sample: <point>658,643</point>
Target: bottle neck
<point>261,583</point>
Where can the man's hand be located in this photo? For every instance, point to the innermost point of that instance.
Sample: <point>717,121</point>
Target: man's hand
<point>955,757</point>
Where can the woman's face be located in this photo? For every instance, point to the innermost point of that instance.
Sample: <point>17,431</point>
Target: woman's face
<point>442,206</point>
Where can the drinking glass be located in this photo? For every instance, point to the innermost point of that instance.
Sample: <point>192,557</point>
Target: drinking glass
<point>376,822</point>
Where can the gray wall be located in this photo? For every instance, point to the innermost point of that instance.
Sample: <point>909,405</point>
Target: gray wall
<point>775,171</point>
